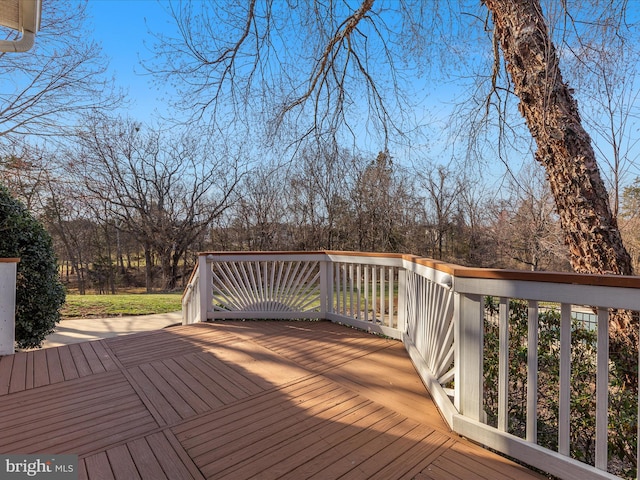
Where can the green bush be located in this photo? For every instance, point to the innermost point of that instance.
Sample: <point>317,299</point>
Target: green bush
<point>39,292</point>
<point>622,401</point>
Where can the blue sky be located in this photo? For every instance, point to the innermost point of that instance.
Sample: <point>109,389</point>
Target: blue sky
<point>121,27</point>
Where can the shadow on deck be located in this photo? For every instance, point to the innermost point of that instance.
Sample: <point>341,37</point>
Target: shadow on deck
<point>236,400</point>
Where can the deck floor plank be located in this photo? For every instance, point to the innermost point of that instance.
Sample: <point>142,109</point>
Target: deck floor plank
<point>55,394</point>
<point>235,380</point>
<point>121,463</point>
<point>143,456</point>
<point>103,354</point>
<point>29,371</point>
<point>6,367</point>
<point>263,424</point>
<point>200,382</point>
<point>155,397</point>
<point>18,373</point>
<point>183,384</point>
<point>54,365</point>
<point>203,398</point>
<point>241,410</point>
<point>40,368</point>
<point>235,400</point>
<point>80,362</point>
<point>69,369</point>
<point>66,413</point>
<point>169,460</point>
<point>97,466</point>
<point>94,362</point>
<point>250,462</point>
<point>154,372</point>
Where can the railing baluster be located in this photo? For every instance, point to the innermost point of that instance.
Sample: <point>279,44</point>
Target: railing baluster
<point>602,389</point>
<point>391,295</point>
<point>367,269</point>
<point>503,365</point>
<point>401,319</point>
<point>374,278</point>
<point>344,289</point>
<point>359,292</point>
<point>532,373</point>
<point>351,289</point>
<point>338,287</point>
<point>564,413</point>
<point>382,297</point>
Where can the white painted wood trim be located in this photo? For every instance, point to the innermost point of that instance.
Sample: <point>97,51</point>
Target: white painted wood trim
<point>534,455</point>
<point>503,365</point>
<point>614,297</point>
<point>602,390</point>
<point>438,394</point>
<point>370,327</point>
<point>564,412</point>
<point>470,311</point>
<point>532,373</point>
<point>204,267</point>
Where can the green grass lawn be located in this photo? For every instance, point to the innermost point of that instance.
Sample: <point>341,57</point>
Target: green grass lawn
<point>82,306</point>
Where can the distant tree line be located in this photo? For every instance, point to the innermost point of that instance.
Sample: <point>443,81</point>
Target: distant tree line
<point>129,206</point>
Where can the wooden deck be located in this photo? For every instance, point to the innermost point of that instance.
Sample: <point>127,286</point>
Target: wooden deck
<point>236,400</point>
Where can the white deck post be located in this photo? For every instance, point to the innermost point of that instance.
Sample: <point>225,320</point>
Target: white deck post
<point>325,282</point>
<point>205,286</point>
<point>8,269</point>
<point>402,300</point>
<point>469,335</point>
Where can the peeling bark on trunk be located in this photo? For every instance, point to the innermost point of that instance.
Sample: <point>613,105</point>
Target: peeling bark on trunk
<point>564,147</point>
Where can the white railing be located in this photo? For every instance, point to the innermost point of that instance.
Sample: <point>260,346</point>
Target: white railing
<point>438,311</point>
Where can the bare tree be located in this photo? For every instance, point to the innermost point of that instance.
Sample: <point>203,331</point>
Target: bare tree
<point>563,146</point>
<point>604,71</point>
<point>381,199</point>
<point>630,220</point>
<point>527,225</point>
<point>260,209</point>
<point>442,189</point>
<point>165,188</point>
<point>319,183</point>
<point>233,51</point>
<point>305,63</point>
<point>23,172</point>
<point>44,91</point>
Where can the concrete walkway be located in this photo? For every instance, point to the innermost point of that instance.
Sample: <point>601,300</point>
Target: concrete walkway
<point>86,329</point>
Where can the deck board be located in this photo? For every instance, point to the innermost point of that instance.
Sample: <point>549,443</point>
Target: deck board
<point>54,365</point>
<point>268,399</point>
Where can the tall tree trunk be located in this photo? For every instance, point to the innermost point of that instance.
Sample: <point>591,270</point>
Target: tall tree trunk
<point>564,147</point>
<point>148,268</point>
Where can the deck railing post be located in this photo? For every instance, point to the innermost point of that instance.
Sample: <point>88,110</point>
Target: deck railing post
<point>402,300</point>
<point>205,286</point>
<point>325,280</point>
<point>8,269</point>
<point>469,337</point>
<point>330,286</point>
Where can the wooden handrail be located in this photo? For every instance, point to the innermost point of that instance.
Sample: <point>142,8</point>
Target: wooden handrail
<point>468,272</point>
